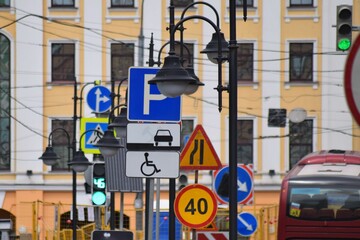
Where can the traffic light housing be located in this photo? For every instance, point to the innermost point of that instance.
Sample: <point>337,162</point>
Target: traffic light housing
<point>182,181</point>
<point>343,27</point>
<point>98,195</point>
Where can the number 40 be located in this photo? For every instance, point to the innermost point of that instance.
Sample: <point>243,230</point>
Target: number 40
<point>201,206</point>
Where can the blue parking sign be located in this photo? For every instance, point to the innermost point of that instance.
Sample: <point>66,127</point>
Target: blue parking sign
<point>146,103</point>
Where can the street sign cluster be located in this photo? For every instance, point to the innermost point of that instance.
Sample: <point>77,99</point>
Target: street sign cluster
<point>153,137</point>
<point>196,205</point>
<point>153,144</point>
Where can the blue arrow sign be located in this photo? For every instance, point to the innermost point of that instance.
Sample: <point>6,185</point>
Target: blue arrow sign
<point>244,183</point>
<point>99,99</point>
<point>246,224</point>
<point>146,103</point>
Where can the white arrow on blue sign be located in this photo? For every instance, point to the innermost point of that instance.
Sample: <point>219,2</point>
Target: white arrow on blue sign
<point>99,99</point>
<point>146,103</point>
<point>244,183</point>
<point>246,224</point>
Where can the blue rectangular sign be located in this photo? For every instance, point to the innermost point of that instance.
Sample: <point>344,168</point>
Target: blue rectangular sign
<point>146,103</point>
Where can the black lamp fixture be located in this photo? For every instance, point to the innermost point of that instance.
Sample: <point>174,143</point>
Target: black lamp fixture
<point>172,79</point>
<point>192,87</point>
<point>108,144</point>
<point>212,48</point>
<point>80,163</point>
<point>49,157</point>
<point>119,123</point>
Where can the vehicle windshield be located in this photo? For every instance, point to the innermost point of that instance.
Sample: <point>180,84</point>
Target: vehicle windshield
<point>324,203</point>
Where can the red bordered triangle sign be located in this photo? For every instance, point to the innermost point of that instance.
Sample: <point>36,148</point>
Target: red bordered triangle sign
<point>199,153</point>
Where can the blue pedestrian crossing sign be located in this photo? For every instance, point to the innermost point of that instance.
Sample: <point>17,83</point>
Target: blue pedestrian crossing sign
<point>99,99</point>
<point>245,184</point>
<point>246,224</point>
<point>90,138</point>
<point>146,103</point>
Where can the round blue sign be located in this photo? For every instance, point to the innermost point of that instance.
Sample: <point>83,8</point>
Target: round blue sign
<point>99,99</point>
<point>246,224</point>
<point>244,184</point>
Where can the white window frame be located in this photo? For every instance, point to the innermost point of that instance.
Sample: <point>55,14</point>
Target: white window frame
<point>314,83</point>
<point>255,143</point>
<point>77,60</point>
<point>287,140</point>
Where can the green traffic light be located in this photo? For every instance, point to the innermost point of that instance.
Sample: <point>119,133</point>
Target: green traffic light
<point>344,44</point>
<point>98,198</point>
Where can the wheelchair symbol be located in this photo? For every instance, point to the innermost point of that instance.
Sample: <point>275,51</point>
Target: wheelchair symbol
<point>148,168</point>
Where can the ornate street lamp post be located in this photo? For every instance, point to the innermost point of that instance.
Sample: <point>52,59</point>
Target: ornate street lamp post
<point>172,81</point>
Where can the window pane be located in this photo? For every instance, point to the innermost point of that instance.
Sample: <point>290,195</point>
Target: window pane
<point>122,57</point>
<point>301,2</point>
<point>4,3</point>
<point>186,57</point>
<point>63,62</point>
<point>245,62</point>
<point>60,142</point>
<point>187,127</point>
<point>122,3</point>
<point>301,61</point>
<point>301,140</point>
<point>62,3</point>
<point>182,3</point>
<point>245,140</point>
<point>4,103</point>
<point>240,3</point>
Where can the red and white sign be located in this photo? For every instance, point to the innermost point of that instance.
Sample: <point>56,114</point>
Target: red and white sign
<point>212,235</point>
<point>352,80</point>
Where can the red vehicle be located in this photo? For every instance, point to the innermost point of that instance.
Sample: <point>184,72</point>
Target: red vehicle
<point>320,197</point>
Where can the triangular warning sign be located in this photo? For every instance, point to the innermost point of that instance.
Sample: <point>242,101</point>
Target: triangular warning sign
<point>198,153</point>
<point>95,136</point>
<point>211,227</point>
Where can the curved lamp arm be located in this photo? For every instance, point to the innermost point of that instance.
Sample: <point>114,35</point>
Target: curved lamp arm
<point>205,3</point>
<point>87,131</point>
<point>58,129</point>
<point>176,42</point>
<point>178,25</point>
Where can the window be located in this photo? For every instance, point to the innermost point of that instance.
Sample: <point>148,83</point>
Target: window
<point>62,3</point>
<point>240,3</point>
<point>63,61</point>
<point>301,140</point>
<point>187,128</point>
<point>182,3</point>
<point>122,57</point>
<point>301,3</point>
<point>122,3</point>
<point>4,103</point>
<point>61,143</point>
<point>245,139</point>
<point>4,3</point>
<point>245,62</point>
<point>301,62</point>
<point>186,57</point>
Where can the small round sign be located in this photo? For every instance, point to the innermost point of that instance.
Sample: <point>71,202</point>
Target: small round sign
<point>195,206</point>
<point>246,224</point>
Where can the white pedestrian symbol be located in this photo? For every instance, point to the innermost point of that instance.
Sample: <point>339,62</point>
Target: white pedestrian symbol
<point>95,136</point>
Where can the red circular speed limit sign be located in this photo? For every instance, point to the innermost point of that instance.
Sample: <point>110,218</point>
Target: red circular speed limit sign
<point>352,80</point>
<point>195,206</point>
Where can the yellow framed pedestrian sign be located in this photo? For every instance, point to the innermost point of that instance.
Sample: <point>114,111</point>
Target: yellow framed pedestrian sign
<point>92,137</point>
<point>195,206</point>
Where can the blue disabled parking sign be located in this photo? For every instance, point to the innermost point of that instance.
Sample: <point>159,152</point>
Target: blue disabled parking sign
<point>146,103</point>
<point>246,224</point>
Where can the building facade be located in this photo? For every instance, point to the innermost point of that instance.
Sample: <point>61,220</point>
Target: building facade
<point>287,61</point>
